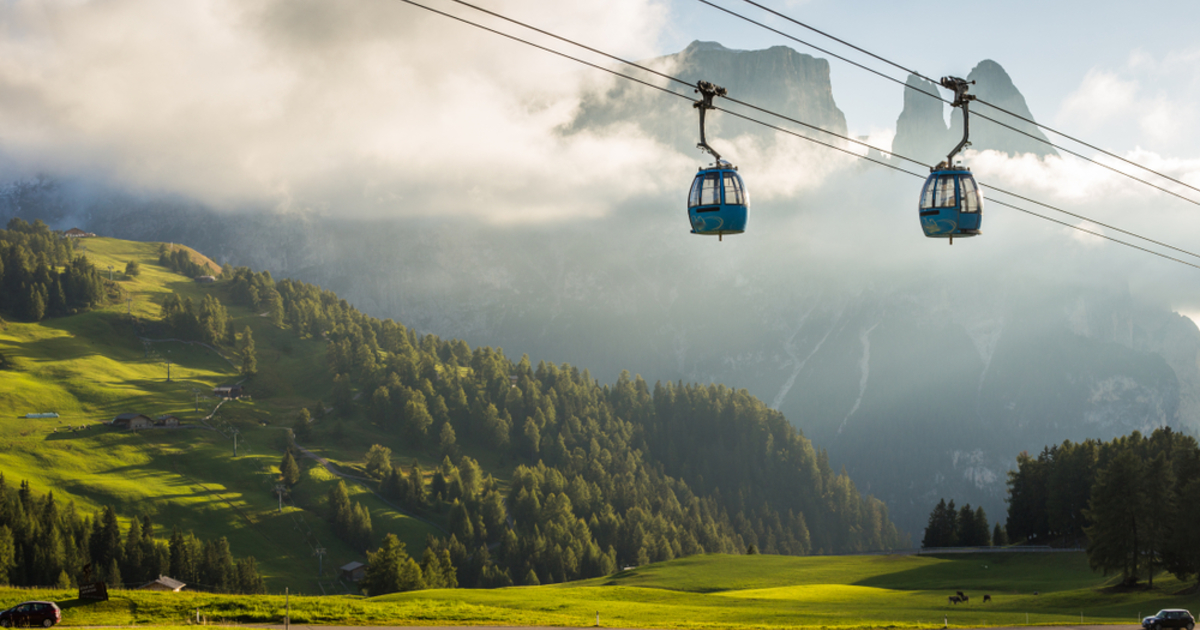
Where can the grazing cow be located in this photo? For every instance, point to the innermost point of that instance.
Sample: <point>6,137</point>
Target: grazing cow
<point>960,594</point>
<point>954,600</point>
<point>987,598</point>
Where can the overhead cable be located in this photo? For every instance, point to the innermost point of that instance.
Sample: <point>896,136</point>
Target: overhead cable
<point>992,105</point>
<point>789,131</point>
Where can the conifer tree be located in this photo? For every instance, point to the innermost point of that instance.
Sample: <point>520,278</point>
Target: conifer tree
<point>288,469</point>
<point>383,573</point>
<point>1117,511</point>
<point>247,354</point>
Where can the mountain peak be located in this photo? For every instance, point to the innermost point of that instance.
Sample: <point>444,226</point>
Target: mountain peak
<point>921,131</point>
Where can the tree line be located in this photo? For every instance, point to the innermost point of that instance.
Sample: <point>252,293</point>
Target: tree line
<point>961,528</point>
<point>180,261</point>
<point>1133,501</point>
<point>40,275</point>
<point>45,544</point>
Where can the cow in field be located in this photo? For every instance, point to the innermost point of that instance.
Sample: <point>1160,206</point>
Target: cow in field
<point>987,598</point>
<point>954,599</point>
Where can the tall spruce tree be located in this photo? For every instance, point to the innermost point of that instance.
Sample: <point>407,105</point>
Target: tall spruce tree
<point>1117,511</point>
<point>288,469</point>
<point>247,353</point>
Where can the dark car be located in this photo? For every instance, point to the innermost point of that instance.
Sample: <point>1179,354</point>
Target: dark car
<point>1170,618</point>
<point>43,614</point>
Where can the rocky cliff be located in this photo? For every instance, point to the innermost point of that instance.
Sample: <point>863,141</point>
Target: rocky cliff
<point>921,131</point>
<point>778,78</point>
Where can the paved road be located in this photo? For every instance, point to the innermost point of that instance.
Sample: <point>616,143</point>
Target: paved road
<point>305,627</point>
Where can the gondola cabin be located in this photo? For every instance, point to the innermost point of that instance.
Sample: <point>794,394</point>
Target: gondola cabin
<point>951,204</point>
<point>718,202</point>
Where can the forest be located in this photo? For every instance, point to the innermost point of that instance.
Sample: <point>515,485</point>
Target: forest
<point>41,276</point>
<point>1133,501</point>
<point>43,543</point>
<point>607,475</point>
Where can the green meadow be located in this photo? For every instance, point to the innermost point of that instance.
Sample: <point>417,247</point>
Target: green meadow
<point>708,591</point>
<point>90,367</point>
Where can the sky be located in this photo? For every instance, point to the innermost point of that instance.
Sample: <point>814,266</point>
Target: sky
<point>378,108</point>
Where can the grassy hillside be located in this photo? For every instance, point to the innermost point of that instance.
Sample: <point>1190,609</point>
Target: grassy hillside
<point>710,591</point>
<point>92,366</point>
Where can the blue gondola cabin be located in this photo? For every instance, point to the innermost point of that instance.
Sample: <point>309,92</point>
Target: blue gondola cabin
<point>718,203</point>
<point>951,204</point>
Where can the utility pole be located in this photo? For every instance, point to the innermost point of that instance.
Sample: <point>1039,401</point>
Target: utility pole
<point>110,268</point>
<point>196,393</point>
<point>129,306</point>
<point>279,490</point>
<point>319,552</point>
<point>235,434</point>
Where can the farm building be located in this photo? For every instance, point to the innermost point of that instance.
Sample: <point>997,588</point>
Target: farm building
<point>205,279</point>
<point>132,421</point>
<point>164,583</point>
<point>166,420</point>
<point>354,571</point>
<point>78,233</point>
<point>228,391</point>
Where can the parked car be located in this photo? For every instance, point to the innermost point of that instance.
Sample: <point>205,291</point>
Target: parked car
<point>1170,618</point>
<point>43,614</point>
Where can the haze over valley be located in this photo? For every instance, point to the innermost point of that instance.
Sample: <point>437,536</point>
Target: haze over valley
<point>531,205</point>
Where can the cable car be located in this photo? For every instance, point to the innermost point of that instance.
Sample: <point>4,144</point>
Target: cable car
<point>718,203</point>
<point>951,203</point>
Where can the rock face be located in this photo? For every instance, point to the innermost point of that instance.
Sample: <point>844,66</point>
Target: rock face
<point>778,78</point>
<point>921,131</point>
<point>993,85</point>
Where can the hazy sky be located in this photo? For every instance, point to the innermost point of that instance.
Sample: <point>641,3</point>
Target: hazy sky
<point>1118,76</point>
<point>374,107</point>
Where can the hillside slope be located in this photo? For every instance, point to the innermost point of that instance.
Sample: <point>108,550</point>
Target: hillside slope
<point>594,476</point>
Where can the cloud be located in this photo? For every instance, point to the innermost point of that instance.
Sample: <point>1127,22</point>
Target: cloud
<point>1148,101</point>
<point>361,106</point>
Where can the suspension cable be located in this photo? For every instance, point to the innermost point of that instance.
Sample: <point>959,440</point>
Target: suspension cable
<point>992,105</point>
<point>792,132</point>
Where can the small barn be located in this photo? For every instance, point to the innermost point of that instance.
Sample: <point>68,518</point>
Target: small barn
<point>205,279</point>
<point>354,571</point>
<point>132,421</point>
<point>163,583</point>
<point>77,233</point>
<point>166,420</point>
<point>228,391</point>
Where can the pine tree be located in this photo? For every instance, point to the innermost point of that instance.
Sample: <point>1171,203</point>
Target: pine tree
<point>247,354</point>
<point>448,441</point>
<point>249,581</point>
<point>288,470</point>
<point>1117,511</point>
<point>999,536</point>
<point>383,573</point>
<point>113,575</point>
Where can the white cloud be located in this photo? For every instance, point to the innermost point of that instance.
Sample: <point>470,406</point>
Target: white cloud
<point>1148,101</point>
<point>368,106</point>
